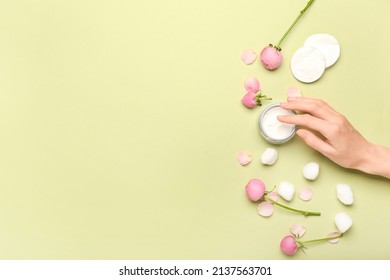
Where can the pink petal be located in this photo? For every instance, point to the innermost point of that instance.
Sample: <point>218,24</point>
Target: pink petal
<point>306,194</point>
<point>298,230</point>
<point>252,84</point>
<point>265,209</point>
<point>248,56</point>
<point>332,234</point>
<point>244,158</point>
<point>294,91</point>
<point>274,196</point>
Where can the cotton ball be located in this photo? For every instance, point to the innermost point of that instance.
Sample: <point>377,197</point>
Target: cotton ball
<point>344,194</point>
<point>286,190</point>
<point>269,156</point>
<point>343,222</point>
<point>311,171</point>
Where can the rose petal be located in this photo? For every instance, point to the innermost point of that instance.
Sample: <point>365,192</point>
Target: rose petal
<point>274,196</point>
<point>244,158</point>
<point>252,84</point>
<point>332,234</point>
<point>248,56</point>
<point>294,91</point>
<point>298,230</point>
<point>344,194</point>
<point>343,222</point>
<point>306,194</point>
<point>265,209</point>
<point>286,190</point>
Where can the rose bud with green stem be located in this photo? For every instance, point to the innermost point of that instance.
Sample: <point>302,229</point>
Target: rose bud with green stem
<point>253,96</point>
<point>290,244</point>
<point>256,191</point>
<point>271,55</point>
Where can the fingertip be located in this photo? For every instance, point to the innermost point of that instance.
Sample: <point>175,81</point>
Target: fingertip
<point>292,98</point>
<point>283,104</point>
<point>283,118</point>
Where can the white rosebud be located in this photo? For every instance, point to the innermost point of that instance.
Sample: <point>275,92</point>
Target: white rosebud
<point>344,194</point>
<point>343,222</point>
<point>269,156</point>
<point>311,170</point>
<point>286,190</point>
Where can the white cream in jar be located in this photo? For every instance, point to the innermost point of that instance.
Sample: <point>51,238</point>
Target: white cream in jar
<point>271,128</point>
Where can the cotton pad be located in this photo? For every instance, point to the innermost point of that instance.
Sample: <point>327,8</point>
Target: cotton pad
<point>308,64</point>
<point>327,45</point>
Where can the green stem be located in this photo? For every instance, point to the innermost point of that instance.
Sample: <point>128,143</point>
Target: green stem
<point>293,24</point>
<point>260,97</point>
<point>305,213</point>
<point>301,243</point>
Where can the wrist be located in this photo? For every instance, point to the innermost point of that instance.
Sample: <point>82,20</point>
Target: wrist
<point>375,160</point>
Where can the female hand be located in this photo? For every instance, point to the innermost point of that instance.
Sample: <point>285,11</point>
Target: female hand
<point>331,134</point>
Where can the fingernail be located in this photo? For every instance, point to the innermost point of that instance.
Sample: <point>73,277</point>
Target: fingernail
<point>282,104</point>
<point>292,98</point>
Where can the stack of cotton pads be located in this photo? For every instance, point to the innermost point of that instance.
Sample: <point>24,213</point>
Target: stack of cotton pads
<point>319,52</point>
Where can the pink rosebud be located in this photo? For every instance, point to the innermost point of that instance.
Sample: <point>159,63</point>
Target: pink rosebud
<point>271,57</point>
<point>249,99</point>
<point>255,189</point>
<point>288,245</point>
<point>252,84</point>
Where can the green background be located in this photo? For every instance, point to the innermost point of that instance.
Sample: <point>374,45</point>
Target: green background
<point>121,121</point>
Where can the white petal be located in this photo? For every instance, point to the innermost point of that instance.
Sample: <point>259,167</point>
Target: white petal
<point>327,45</point>
<point>269,156</point>
<point>306,194</point>
<point>298,230</point>
<point>265,209</point>
<point>311,171</point>
<point>334,234</point>
<point>344,194</point>
<point>308,64</point>
<point>286,190</point>
<point>343,222</point>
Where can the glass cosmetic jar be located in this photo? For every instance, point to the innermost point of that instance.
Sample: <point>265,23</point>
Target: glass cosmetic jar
<point>271,128</point>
